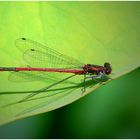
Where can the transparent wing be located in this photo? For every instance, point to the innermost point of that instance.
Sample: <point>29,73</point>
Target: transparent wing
<point>28,76</point>
<point>38,55</point>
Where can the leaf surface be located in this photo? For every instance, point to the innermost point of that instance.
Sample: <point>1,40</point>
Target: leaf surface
<point>92,32</point>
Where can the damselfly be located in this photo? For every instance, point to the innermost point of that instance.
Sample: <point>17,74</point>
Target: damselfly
<point>51,61</point>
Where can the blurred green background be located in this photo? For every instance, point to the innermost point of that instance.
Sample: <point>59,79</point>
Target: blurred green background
<point>113,110</point>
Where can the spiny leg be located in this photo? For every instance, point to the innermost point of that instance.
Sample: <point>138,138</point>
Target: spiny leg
<point>84,82</point>
<point>94,77</point>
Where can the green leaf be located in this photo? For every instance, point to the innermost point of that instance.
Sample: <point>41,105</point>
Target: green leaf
<point>92,32</point>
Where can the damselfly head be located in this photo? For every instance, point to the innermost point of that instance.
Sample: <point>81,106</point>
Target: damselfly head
<point>108,68</point>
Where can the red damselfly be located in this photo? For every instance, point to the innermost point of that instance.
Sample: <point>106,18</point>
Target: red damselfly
<point>44,59</point>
